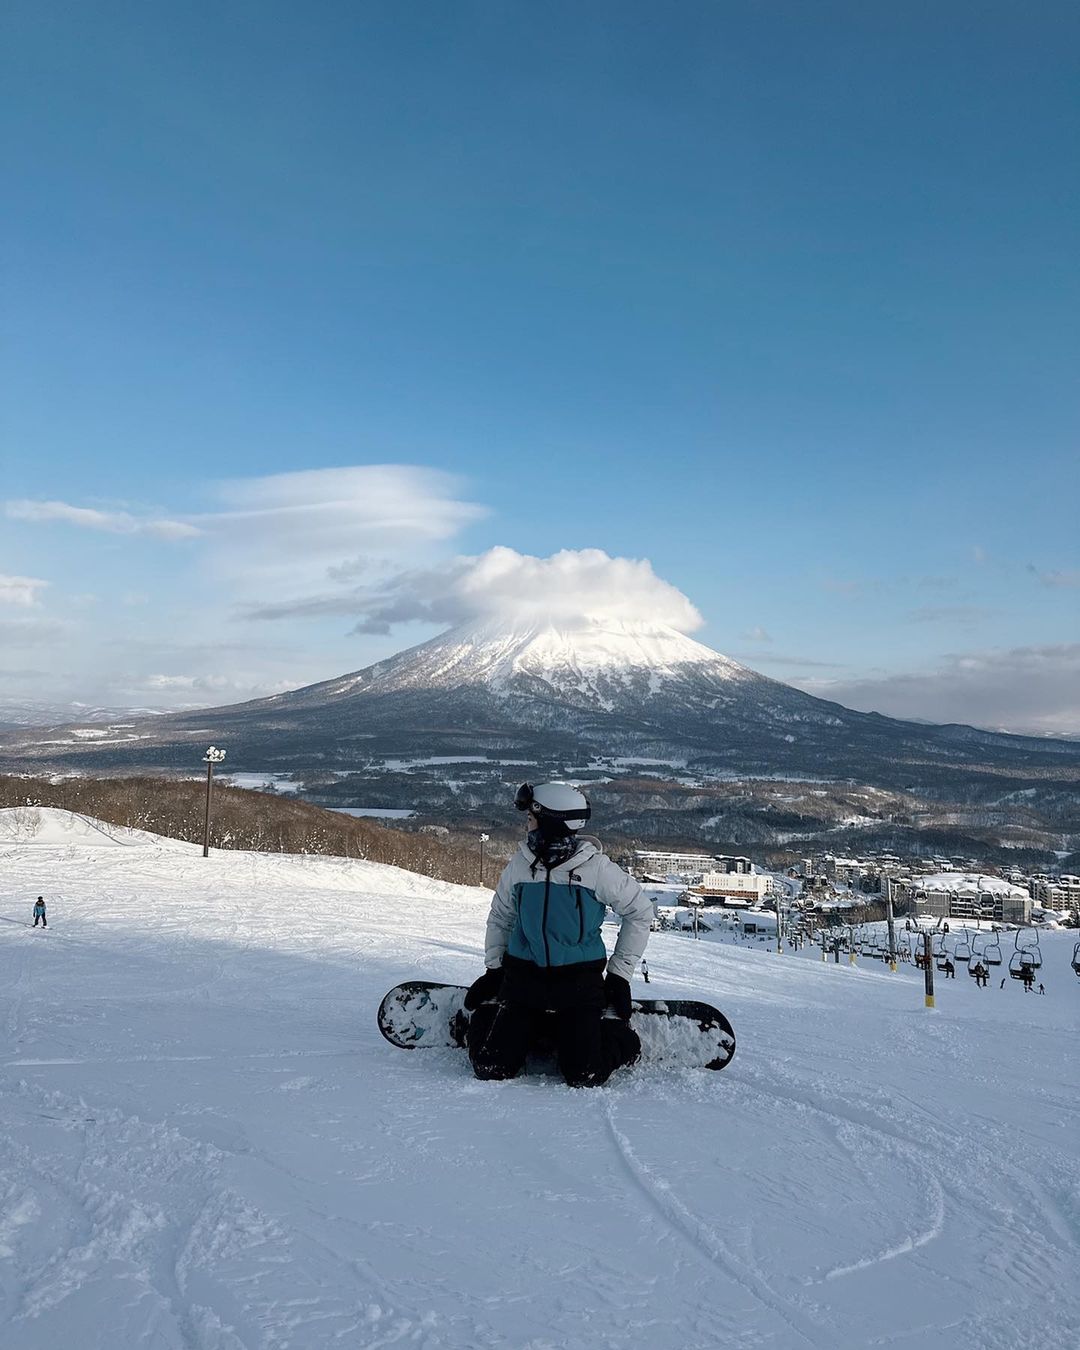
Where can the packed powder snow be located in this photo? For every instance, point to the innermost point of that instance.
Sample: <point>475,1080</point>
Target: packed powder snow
<point>205,1142</point>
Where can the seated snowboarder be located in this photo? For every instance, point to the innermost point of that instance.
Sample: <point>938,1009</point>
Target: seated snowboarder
<point>544,953</point>
<point>39,913</point>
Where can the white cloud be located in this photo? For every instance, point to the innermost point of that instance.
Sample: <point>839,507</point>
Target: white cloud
<point>572,584</point>
<point>285,534</point>
<point>111,522</point>
<point>20,590</point>
<point>309,526</point>
<point>1033,689</point>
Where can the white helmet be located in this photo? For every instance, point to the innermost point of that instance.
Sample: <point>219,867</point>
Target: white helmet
<point>555,801</point>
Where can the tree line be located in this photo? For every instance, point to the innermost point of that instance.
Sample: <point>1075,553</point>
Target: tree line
<point>262,821</point>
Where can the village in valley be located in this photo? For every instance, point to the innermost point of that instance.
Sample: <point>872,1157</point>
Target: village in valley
<point>881,907</point>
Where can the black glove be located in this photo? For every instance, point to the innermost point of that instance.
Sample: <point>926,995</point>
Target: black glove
<point>486,988</point>
<point>618,996</point>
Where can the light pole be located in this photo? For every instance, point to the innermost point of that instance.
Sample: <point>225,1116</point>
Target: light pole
<point>483,840</point>
<point>213,756</point>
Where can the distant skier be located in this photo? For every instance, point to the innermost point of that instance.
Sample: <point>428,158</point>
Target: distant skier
<point>645,970</point>
<point>39,913</point>
<point>544,954</point>
<point>1042,987</point>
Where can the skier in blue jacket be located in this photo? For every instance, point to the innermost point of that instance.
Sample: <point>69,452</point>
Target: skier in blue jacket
<point>39,913</point>
<point>544,953</point>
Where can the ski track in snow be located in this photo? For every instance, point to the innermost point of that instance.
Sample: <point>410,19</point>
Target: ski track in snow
<point>206,1145</point>
<point>707,1242</point>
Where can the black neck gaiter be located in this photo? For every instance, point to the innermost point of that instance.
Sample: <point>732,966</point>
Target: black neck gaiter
<point>551,843</point>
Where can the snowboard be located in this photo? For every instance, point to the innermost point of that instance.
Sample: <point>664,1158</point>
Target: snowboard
<point>674,1033</point>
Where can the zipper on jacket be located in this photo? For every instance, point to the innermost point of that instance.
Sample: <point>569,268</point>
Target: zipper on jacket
<point>580,914</point>
<point>543,921</point>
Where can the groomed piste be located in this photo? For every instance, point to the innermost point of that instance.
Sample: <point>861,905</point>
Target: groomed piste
<point>205,1144</point>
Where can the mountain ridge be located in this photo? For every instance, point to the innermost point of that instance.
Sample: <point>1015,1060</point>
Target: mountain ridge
<point>576,700</point>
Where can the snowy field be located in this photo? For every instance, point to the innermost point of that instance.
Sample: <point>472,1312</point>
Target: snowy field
<point>206,1145</point>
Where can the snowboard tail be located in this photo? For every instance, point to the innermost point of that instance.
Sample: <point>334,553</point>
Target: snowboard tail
<point>676,1033</point>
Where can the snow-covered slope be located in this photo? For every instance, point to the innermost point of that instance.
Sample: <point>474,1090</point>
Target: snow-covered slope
<point>205,1143</point>
<point>50,825</point>
<point>591,659</point>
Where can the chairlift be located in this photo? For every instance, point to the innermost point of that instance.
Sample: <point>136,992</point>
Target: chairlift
<point>1030,945</point>
<point>1027,958</point>
<point>962,950</point>
<point>937,946</point>
<point>1076,958</point>
<point>992,953</point>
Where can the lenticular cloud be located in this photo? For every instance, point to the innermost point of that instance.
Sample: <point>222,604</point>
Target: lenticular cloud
<point>571,586</point>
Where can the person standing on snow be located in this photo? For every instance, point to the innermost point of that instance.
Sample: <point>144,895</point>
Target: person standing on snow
<point>39,913</point>
<point>544,953</point>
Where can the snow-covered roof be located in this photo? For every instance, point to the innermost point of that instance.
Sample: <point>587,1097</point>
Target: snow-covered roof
<point>969,881</point>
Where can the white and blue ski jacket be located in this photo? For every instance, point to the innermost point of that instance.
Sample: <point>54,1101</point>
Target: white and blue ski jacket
<point>553,918</point>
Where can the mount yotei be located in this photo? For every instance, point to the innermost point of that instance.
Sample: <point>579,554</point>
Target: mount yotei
<point>650,716</point>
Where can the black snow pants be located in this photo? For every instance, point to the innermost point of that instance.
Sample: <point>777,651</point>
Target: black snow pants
<point>589,1047</point>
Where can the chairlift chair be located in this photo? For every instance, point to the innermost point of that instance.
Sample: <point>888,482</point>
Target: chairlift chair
<point>1029,949</point>
<point>962,951</point>
<point>992,953</point>
<point>1026,958</point>
<point>1076,958</point>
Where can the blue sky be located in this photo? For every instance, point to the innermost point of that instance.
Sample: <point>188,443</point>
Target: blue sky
<point>782,298</point>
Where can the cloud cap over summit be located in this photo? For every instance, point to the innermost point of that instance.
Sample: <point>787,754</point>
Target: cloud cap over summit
<point>570,585</point>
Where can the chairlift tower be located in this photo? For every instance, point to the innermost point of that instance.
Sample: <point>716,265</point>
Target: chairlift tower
<point>891,923</point>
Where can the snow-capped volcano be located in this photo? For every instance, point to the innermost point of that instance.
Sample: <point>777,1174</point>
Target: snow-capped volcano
<point>591,660</point>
